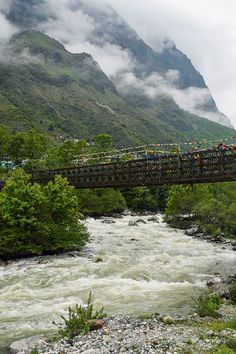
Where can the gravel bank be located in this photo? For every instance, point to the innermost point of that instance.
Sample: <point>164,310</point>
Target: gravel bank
<point>157,335</point>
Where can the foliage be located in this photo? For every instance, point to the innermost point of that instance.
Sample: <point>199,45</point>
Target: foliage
<point>78,319</point>
<point>207,304</point>
<point>4,141</point>
<point>232,293</point>
<point>211,206</point>
<point>145,198</point>
<point>219,326</point>
<point>38,219</point>
<point>231,343</point>
<point>100,201</point>
<point>31,145</point>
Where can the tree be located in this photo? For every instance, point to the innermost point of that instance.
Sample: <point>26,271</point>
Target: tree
<point>36,219</point>
<point>5,138</point>
<point>31,145</point>
<point>101,201</point>
<point>103,142</point>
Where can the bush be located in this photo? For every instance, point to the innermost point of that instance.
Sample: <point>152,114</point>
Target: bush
<point>232,293</point>
<point>231,343</point>
<point>207,305</point>
<point>36,220</point>
<point>78,320</point>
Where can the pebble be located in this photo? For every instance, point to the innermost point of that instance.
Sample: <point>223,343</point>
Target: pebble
<point>131,335</point>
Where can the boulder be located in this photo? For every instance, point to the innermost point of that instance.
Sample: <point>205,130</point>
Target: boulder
<point>213,281</point>
<point>98,260</point>
<point>192,231</point>
<point>96,324</point>
<point>153,219</point>
<point>133,223</point>
<point>141,221</point>
<point>218,286</point>
<point>108,221</point>
<point>27,344</point>
<point>117,216</point>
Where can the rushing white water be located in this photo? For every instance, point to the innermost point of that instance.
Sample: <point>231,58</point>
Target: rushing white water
<point>145,269</point>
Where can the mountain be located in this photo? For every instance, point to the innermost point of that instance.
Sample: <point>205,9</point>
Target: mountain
<point>154,73</point>
<point>46,87</point>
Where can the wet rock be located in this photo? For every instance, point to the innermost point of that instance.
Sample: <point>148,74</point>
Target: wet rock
<point>141,221</point>
<point>91,351</point>
<point>233,243</point>
<point>133,223</point>
<point>73,254</point>
<point>117,216</point>
<point>108,221</point>
<point>192,231</point>
<point>213,281</point>
<point>220,239</point>
<point>27,344</point>
<point>153,219</point>
<point>98,260</point>
<point>96,324</point>
<point>218,286</point>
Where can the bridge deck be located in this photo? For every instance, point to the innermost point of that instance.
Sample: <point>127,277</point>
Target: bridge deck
<point>188,168</point>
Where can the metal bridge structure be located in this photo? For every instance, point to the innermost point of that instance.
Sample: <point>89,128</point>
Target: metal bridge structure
<point>206,166</point>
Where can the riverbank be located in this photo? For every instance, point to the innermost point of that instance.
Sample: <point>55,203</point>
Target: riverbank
<point>131,270</point>
<point>155,335</point>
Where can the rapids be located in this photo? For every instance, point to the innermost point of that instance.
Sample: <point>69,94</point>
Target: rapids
<point>131,270</point>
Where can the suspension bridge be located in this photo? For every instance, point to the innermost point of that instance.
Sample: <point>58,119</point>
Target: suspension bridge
<point>146,167</point>
<point>187,168</point>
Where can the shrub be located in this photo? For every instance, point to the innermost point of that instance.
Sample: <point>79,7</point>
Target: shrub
<point>78,319</point>
<point>37,219</point>
<point>232,293</point>
<point>231,343</point>
<point>207,304</point>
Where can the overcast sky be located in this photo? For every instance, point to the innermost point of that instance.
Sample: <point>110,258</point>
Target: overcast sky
<point>205,30</point>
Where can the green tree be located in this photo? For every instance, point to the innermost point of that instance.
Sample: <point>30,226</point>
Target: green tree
<point>211,206</point>
<point>36,219</point>
<point>5,138</point>
<point>103,142</point>
<point>101,201</point>
<point>31,145</point>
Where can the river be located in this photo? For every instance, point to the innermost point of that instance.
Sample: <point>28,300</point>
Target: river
<point>130,269</point>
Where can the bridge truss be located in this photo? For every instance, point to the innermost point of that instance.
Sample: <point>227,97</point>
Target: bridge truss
<point>205,166</point>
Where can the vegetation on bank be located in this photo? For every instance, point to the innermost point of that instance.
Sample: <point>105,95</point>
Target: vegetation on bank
<point>30,224</point>
<point>210,207</point>
<point>37,219</point>
<point>79,319</point>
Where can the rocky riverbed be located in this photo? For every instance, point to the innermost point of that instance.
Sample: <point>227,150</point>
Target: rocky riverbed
<point>134,265</point>
<point>155,335</point>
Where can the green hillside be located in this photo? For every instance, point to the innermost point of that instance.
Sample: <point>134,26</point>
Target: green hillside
<point>47,88</point>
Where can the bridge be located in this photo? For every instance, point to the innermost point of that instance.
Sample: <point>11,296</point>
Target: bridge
<point>206,166</point>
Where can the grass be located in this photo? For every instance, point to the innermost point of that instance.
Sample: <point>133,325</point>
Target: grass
<point>78,319</point>
<point>207,305</point>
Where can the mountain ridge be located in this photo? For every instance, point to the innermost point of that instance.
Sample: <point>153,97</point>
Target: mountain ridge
<point>60,92</point>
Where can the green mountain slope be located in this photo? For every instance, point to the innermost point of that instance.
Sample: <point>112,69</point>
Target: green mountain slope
<point>46,87</point>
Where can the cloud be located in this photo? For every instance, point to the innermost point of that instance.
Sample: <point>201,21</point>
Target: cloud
<point>204,30</point>
<point>209,41</point>
<point>192,99</point>
<point>6,32</point>
<point>75,29</point>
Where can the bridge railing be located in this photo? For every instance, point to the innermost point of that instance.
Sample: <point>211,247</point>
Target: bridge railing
<point>194,167</point>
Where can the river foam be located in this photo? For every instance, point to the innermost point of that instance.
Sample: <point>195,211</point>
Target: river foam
<point>130,269</point>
